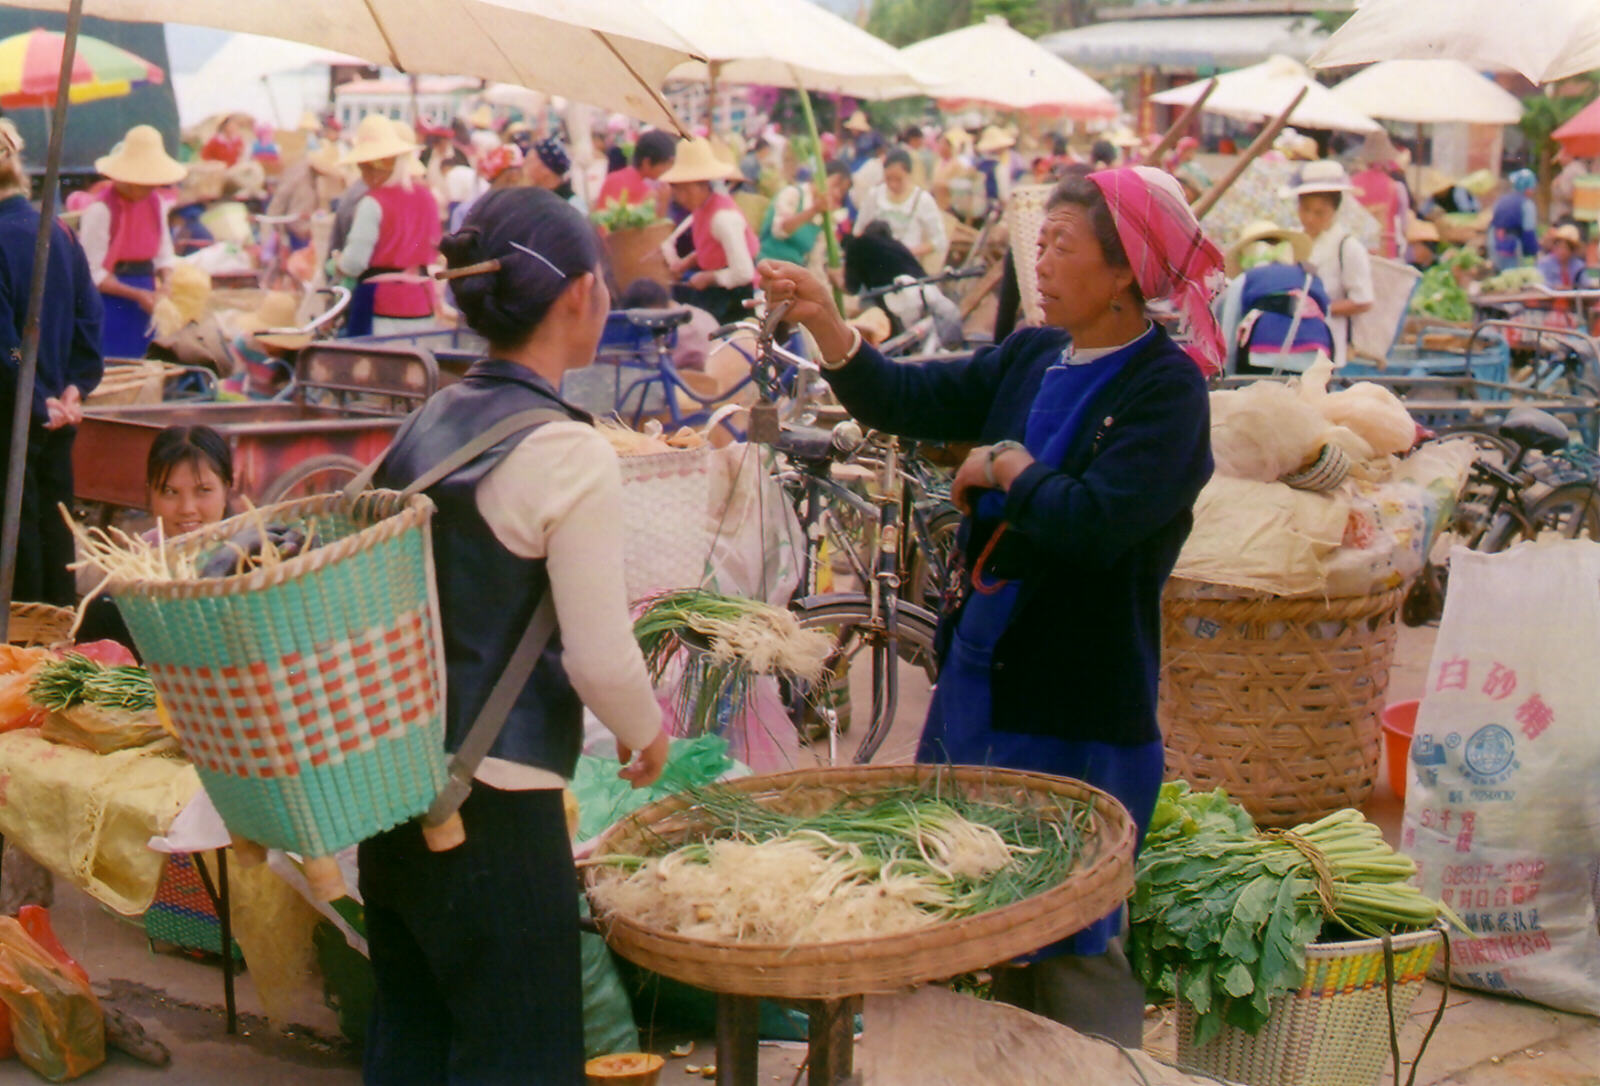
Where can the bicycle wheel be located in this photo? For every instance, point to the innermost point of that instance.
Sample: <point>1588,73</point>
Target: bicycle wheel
<point>317,475</point>
<point>860,712</point>
<point>1570,511</point>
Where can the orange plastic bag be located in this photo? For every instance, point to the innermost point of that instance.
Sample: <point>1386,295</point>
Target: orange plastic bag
<point>56,1021</point>
<point>17,669</point>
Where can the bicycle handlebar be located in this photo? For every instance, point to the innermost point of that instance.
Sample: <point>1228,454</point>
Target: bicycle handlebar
<point>927,281</point>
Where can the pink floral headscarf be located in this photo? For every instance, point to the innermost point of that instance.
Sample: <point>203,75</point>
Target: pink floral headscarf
<point>1171,256</point>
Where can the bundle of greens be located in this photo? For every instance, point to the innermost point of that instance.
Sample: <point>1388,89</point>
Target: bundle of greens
<point>879,863</point>
<point>1440,296</point>
<point>1222,914</point>
<point>621,215</point>
<point>77,680</point>
<point>728,640</point>
<point>1512,280</point>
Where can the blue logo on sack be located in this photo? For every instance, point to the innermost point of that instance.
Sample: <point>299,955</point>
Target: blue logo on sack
<point>1490,755</point>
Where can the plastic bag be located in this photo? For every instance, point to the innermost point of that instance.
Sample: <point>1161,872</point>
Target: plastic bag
<point>1263,431</point>
<point>603,797</point>
<point>1375,413</point>
<point>106,653</point>
<point>17,669</point>
<point>100,730</point>
<point>56,1021</point>
<point>1501,816</point>
<point>608,1024</point>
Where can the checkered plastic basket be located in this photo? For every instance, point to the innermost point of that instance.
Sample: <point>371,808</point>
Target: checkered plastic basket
<point>182,913</point>
<point>309,695</point>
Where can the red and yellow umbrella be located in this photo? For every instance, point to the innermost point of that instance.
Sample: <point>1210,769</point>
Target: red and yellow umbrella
<point>30,65</point>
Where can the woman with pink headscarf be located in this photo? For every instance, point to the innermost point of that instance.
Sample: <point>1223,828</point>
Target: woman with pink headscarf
<point>1093,436</point>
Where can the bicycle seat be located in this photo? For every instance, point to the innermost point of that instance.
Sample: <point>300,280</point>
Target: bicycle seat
<point>806,443</point>
<point>657,320</point>
<point>1531,428</point>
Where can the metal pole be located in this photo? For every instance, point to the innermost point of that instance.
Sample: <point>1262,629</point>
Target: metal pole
<point>22,415</point>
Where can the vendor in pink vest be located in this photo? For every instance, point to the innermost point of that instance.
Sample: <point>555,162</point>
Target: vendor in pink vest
<point>722,265</point>
<point>124,234</point>
<point>395,232</point>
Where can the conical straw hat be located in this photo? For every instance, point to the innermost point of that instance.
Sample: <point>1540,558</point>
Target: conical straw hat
<point>377,138</point>
<point>140,159</point>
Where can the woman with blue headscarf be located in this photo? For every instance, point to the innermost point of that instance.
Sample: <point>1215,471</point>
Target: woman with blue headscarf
<point>1514,229</point>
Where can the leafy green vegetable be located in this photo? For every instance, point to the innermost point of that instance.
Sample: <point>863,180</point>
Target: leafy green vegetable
<point>622,215</point>
<point>1221,915</point>
<point>1440,296</point>
<point>1513,279</point>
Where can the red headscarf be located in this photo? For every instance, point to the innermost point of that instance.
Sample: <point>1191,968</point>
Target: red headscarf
<point>1171,256</point>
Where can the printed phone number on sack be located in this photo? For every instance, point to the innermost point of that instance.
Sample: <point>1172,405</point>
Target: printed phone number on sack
<point>1515,871</point>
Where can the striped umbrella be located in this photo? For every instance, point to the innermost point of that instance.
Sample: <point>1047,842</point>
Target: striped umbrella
<point>30,65</point>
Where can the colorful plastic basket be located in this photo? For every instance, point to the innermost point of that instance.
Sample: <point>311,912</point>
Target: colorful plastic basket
<point>309,695</point>
<point>182,913</point>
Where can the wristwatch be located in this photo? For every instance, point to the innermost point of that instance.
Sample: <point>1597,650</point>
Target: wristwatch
<point>996,451</point>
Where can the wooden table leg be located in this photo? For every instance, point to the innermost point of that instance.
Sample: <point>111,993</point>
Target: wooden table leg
<point>738,1018</point>
<point>832,1041</point>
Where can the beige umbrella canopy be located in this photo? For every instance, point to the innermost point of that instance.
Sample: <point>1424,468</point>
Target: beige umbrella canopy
<point>1263,91</point>
<point>609,53</point>
<point>1545,40</point>
<point>785,43</point>
<point>1439,91</point>
<point>994,64</point>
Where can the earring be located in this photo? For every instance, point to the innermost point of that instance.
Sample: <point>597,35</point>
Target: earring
<point>1116,307</point>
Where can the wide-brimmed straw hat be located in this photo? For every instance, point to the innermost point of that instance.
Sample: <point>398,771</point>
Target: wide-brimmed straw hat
<point>273,322</point>
<point>378,138</point>
<point>1566,232</point>
<point>140,159</point>
<point>995,139</point>
<point>858,123</point>
<point>697,161</point>
<point>1324,175</point>
<point>325,160</point>
<point>1265,230</point>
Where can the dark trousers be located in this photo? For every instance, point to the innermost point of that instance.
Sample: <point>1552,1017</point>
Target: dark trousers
<point>44,545</point>
<point>1096,995</point>
<point>475,950</point>
<point>724,303</point>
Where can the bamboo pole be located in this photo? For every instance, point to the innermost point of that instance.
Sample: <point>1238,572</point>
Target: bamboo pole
<point>820,166</point>
<point>1209,198</point>
<point>1176,131</point>
<point>28,365</point>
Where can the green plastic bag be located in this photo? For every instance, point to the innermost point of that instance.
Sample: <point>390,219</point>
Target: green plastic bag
<point>608,1024</point>
<point>603,797</point>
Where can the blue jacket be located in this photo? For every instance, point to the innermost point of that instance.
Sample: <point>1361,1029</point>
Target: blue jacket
<point>1093,542</point>
<point>69,325</point>
<point>1512,227</point>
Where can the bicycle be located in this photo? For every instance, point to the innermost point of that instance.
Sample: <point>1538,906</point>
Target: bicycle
<point>1543,485</point>
<point>923,330</point>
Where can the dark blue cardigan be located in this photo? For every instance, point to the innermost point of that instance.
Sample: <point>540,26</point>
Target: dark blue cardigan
<point>69,326</point>
<point>1092,542</point>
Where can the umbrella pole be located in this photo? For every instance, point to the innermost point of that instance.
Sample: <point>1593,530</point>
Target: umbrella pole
<point>1155,156</point>
<point>829,238</point>
<point>22,415</point>
<point>1209,198</point>
<point>711,98</point>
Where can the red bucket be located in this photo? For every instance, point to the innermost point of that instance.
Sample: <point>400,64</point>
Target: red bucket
<point>1399,722</point>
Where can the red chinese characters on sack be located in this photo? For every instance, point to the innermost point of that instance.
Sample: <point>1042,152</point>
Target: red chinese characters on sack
<point>1535,716</point>
<point>1501,683</point>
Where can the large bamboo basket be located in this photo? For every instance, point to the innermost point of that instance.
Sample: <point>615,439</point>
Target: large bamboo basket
<point>862,966</point>
<point>1277,700</point>
<point>1333,1031</point>
<point>636,254</point>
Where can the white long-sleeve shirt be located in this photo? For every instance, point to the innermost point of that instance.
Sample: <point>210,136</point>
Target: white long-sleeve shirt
<point>94,234</point>
<point>558,496</point>
<point>728,227</point>
<point>915,220</point>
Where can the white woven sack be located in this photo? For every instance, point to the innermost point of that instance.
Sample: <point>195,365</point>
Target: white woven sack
<point>1503,786</point>
<point>666,520</point>
<point>1024,218</point>
<point>1373,333</point>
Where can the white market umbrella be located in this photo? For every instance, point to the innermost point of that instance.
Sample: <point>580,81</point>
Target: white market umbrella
<point>785,43</point>
<point>1262,91</point>
<point>611,53</point>
<point>1545,40</point>
<point>511,96</point>
<point>1439,91</point>
<point>268,78</point>
<point>994,64</point>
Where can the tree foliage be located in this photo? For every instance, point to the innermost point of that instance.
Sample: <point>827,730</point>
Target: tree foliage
<point>902,22</point>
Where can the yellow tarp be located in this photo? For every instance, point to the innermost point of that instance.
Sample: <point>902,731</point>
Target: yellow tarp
<point>89,817</point>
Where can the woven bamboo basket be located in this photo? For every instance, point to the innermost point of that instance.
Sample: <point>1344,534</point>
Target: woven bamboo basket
<point>309,695</point>
<point>1334,1031</point>
<point>38,624</point>
<point>1277,700</point>
<point>863,966</point>
<point>128,383</point>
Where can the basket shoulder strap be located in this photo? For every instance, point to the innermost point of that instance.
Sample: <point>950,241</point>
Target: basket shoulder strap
<point>492,716</point>
<point>466,454</point>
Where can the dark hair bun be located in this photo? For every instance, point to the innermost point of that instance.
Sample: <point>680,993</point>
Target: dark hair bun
<point>542,243</point>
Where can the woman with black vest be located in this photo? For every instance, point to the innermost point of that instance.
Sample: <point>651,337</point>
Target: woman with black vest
<point>476,949</point>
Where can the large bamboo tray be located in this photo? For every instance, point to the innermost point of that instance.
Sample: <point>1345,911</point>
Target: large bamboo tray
<point>1102,882</point>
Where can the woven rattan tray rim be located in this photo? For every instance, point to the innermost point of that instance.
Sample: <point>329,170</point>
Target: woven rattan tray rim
<point>859,966</point>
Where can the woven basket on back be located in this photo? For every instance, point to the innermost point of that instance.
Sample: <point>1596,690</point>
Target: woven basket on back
<point>1101,883</point>
<point>38,624</point>
<point>310,695</point>
<point>1277,700</point>
<point>1024,217</point>
<point>1334,1031</point>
